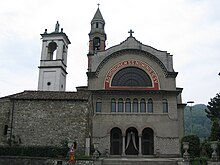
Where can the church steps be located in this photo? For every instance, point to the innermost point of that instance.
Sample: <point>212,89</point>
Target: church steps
<point>140,161</point>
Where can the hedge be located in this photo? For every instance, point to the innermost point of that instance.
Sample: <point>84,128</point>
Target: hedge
<point>33,151</point>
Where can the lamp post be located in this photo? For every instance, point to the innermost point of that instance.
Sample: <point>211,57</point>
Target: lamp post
<point>190,108</point>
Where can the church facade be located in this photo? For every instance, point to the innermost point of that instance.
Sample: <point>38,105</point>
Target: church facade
<point>131,105</point>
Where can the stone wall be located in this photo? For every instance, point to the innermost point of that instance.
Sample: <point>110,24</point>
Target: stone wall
<point>167,146</point>
<point>50,122</point>
<point>5,108</point>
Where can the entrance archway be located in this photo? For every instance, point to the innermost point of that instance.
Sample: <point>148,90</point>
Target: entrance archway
<point>131,141</point>
<point>147,141</point>
<point>116,141</point>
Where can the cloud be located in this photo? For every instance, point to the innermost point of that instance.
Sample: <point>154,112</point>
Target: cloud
<point>188,29</point>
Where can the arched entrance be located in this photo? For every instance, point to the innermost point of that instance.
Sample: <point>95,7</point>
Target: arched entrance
<point>131,141</point>
<point>116,141</point>
<point>147,141</point>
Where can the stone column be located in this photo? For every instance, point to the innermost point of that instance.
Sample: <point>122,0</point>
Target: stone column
<point>123,145</point>
<point>140,148</point>
<point>87,151</point>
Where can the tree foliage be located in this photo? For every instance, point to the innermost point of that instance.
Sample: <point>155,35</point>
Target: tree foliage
<point>201,124</point>
<point>214,131</point>
<point>194,145</point>
<point>213,111</point>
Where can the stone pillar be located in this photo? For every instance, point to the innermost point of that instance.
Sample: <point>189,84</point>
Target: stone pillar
<point>123,145</point>
<point>87,151</point>
<point>140,149</point>
<point>213,162</point>
<point>183,162</point>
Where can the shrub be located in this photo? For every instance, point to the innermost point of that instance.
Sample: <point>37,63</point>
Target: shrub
<point>33,151</point>
<point>194,145</point>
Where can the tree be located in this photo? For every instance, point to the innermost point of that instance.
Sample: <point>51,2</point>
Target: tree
<point>194,145</point>
<point>214,131</point>
<point>213,111</point>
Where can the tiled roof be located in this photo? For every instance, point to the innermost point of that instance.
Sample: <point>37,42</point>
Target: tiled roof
<point>50,95</point>
<point>98,16</point>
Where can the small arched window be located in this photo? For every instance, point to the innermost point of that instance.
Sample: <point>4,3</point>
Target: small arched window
<point>98,105</point>
<point>128,105</point>
<point>97,25</point>
<point>120,105</point>
<point>113,105</point>
<point>135,105</point>
<point>165,106</point>
<point>150,105</point>
<point>143,105</point>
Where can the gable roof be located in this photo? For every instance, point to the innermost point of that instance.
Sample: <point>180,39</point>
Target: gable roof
<point>49,95</point>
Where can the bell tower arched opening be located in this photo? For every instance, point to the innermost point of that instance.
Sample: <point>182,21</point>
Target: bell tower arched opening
<point>52,47</point>
<point>96,43</point>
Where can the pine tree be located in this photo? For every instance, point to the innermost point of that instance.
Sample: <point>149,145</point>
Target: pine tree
<point>214,131</point>
<point>213,111</point>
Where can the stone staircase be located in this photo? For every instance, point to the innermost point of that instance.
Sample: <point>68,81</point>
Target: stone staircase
<point>140,161</point>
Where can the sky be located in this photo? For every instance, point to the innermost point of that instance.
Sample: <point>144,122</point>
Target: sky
<point>187,29</point>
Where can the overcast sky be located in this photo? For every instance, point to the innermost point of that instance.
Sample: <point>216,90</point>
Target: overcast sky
<point>187,29</point>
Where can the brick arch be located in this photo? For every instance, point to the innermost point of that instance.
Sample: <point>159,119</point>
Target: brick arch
<point>132,51</point>
<point>131,63</point>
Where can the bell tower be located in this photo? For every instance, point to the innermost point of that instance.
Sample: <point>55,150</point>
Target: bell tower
<point>97,36</point>
<point>53,63</point>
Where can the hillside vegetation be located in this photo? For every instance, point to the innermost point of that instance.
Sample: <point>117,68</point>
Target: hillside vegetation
<point>197,122</point>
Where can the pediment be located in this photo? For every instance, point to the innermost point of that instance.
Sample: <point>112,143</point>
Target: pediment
<point>133,46</point>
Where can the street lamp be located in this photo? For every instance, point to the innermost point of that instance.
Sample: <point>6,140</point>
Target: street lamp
<point>190,108</point>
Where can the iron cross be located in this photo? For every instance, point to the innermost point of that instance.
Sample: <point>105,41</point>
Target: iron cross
<point>131,33</point>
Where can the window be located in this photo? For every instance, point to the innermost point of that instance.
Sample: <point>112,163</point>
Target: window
<point>165,106</point>
<point>131,77</point>
<point>135,105</point>
<point>113,105</point>
<point>6,130</point>
<point>128,105</point>
<point>143,105</point>
<point>120,105</point>
<point>98,105</point>
<point>150,105</point>
<point>97,25</point>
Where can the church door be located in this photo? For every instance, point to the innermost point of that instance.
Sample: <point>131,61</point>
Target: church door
<point>116,141</point>
<point>131,141</point>
<point>147,141</point>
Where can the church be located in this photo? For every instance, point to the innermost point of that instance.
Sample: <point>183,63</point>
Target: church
<point>130,106</point>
